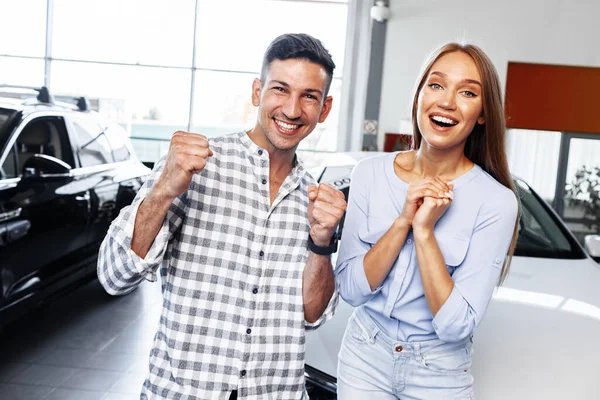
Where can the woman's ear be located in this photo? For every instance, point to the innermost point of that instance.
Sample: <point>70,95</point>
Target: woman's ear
<point>481,120</point>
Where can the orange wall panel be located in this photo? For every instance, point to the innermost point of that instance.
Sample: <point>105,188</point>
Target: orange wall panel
<point>553,98</point>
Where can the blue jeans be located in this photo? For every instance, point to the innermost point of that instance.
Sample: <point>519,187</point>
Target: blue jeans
<point>373,366</point>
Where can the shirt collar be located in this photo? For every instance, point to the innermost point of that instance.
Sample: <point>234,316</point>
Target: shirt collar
<point>257,154</point>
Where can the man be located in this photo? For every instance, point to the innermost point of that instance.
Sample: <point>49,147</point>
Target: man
<point>230,222</point>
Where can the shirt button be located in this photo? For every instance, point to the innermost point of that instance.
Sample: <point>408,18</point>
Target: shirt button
<point>264,181</point>
<point>248,331</point>
<point>262,253</point>
<point>243,372</point>
<point>409,241</point>
<point>255,290</point>
<point>260,152</point>
<point>398,349</point>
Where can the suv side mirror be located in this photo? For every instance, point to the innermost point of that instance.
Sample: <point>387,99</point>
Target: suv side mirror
<point>39,164</point>
<point>592,245</point>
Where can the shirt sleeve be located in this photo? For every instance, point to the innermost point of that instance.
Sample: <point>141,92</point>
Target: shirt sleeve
<point>351,279</point>
<point>119,269</point>
<point>478,274</point>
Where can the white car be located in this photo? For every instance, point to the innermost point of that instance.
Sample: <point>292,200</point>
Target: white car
<point>539,338</point>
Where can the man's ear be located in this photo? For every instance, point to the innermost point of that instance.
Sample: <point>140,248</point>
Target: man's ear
<point>256,88</point>
<point>326,109</point>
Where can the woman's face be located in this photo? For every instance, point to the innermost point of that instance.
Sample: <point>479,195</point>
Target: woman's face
<point>450,101</point>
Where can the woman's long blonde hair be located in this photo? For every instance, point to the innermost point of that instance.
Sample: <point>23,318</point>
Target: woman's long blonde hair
<point>485,145</point>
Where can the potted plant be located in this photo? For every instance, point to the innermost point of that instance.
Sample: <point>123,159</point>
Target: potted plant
<point>584,193</point>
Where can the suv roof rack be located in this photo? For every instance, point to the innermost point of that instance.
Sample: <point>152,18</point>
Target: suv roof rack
<point>44,96</point>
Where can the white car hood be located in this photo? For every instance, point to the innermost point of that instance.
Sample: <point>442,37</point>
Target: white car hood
<point>538,339</point>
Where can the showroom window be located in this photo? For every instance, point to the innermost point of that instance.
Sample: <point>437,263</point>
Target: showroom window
<point>23,44</point>
<point>23,29</point>
<point>157,66</point>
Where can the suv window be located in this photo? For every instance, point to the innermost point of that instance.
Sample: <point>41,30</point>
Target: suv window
<point>92,145</point>
<point>4,116</point>
<point>46,135</point>
<point>9,167</point>
<point>117,137</point>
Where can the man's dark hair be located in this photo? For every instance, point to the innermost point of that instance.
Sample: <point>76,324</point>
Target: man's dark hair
<point>298,45</point>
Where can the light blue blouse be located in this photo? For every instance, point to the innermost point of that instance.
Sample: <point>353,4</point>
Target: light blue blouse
<point>473,235</point>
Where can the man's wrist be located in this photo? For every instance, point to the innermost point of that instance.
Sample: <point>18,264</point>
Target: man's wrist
<point>159,195</point>
<point>323,250</point>
<point>320,241</point>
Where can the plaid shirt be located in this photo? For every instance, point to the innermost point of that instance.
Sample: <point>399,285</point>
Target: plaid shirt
<point>231,268</point>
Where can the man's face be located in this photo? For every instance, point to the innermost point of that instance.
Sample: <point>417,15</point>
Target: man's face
<point>290,102</point>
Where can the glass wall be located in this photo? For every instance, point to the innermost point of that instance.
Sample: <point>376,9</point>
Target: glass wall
<point>156,66</point>
<point>538,171</point>
<point>579,207</point>
<point>582,198</point>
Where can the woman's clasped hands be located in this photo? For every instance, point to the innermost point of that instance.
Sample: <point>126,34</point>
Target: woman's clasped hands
<point>426,202</point>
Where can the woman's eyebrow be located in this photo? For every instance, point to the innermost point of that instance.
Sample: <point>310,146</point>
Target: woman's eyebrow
<point>443,75</point>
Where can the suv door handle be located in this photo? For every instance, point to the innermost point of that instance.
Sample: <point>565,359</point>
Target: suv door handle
<point>84,198</point>
<point>10,214</point>
<point>16,230</point>
<point>12,231</point>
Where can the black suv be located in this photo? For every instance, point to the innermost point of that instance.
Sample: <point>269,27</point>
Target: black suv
<point>65,173</point>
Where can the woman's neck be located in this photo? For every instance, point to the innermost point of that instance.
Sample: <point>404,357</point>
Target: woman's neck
<point>447,165</point>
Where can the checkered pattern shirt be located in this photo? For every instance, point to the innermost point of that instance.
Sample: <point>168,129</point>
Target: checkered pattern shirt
<point>231,270</point>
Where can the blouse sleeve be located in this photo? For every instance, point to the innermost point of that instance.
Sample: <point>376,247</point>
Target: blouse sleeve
<point>477,276</point>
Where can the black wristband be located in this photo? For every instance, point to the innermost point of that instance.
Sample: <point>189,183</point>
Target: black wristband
<point>323,250</point>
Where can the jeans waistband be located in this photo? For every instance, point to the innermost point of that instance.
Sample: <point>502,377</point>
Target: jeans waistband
<point>373,332</point>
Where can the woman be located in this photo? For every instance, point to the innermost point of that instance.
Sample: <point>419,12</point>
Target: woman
<point>428,235</point>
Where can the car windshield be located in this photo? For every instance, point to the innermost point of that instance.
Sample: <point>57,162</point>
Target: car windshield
<point>5,122</point>
<point>541,233</point>
<point>4,116</point>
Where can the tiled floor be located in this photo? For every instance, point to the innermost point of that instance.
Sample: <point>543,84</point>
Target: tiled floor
<point>84,346</point>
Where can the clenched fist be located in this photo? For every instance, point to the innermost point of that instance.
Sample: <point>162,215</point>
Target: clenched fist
<point>187,156</point>
<point>326,207</point>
